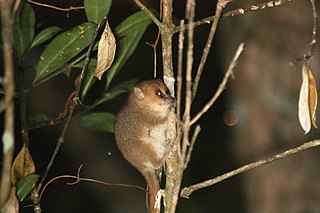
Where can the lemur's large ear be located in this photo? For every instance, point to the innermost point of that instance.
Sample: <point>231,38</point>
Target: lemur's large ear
<point>138,93</point>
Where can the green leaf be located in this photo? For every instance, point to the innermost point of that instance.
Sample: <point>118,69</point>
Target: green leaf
<point>37,119</point>
<point>25,186</point>
<point>23,28</point>
<point>45,35</point>
<point>96,10</point>
<point>128,33</point>
<point>99,121</point>
<point>62,49</point>
<point>121,88</point>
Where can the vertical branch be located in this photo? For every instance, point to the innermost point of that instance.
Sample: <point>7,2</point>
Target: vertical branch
<point>188,99</point>
<point>179,83</point>
<point>166,30</point>
<point>155,46</point>
<point>221,87</point>
<point>23,109</point>
<point>8,134</point>
<point>314,28</point>
<point>192,143</point>
<point>172,162</point>
<point>220,5</point>
<point>173,188</point>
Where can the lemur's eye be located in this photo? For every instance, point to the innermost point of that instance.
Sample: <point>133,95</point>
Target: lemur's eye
<point>159,93</point>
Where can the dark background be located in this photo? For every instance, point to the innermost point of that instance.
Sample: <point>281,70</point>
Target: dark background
<point>218,149</point>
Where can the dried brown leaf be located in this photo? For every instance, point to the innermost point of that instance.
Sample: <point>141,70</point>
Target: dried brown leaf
<point>313,98</point>
<point>303,105</point>
<point>106,51</point>
<point>23,165</point>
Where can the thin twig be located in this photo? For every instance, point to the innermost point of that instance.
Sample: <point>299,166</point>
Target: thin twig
<point>179,83</point>
<point>190,13</point>
<point>206,50</point>
<point>239,11</point>
<point>186,192</point>
<point>9,89</point>
<point>192,143</point>
<point>78,178</point>
<point>180,67</point>
<point>148,12</point>
<point>312,45</point>
<point>23,109</point>
<point>55,7</point>
<point>72,107</point>
<point>257,7</point>
<point>221,86</point>
<point>154,46</point>
<point>314,29</point>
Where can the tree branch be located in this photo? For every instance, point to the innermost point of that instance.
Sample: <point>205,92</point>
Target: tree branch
<point>206,50</point>
<point>55,7</point>
<point>78,178</point>
<point>179,86</point>
<point>257,7</point>
<point>221,86</point>
<point>193,141</point>
<point>190,13</point>
<point>180,67</point>
<point>9,89</point>
<point>148,12</point>
<point>172,161</point>
<point>312,45</point>
<point>239,11</point>
<point>186,192</point>
<point>71,111</point>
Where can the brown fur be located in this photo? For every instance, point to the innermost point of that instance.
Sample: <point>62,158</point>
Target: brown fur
<point>140,131</point>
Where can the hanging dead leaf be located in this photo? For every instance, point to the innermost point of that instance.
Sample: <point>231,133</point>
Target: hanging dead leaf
<point>313,98</point>
<point>22,166</point>
<point>303,105</point>
<point>106,51</point>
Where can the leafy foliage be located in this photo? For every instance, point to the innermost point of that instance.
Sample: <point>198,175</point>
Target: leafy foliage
<point>99,121</point>
<point>45,35</point>
<point>121,88</point>
<point>129,33</point>
<point>23,29</point>
<point>62,49</point>
<point>65,52</point>
<point>96,10</point>
<point>25,186</point>
<point>36,119</point>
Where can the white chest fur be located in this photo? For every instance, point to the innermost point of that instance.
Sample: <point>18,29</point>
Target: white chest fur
<point>158,139</point>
